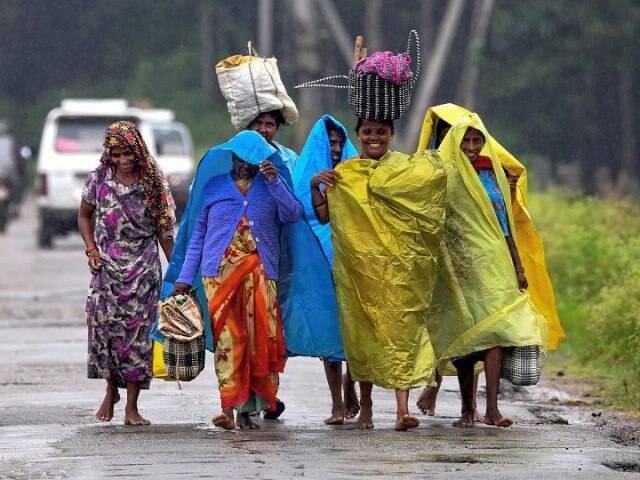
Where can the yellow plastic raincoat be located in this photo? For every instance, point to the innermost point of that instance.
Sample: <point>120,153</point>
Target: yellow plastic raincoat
<point>529,242</point>
<point>386,222</point>
<point>476,302</point>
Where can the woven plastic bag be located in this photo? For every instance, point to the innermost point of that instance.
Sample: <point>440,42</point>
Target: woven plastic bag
<point>521,365</point>
<point>184,360</point>
<point>180,318</point>
<point>252,85</point>
<point>180,323</point>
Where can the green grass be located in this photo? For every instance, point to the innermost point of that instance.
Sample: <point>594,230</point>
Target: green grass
<point>592,249</point>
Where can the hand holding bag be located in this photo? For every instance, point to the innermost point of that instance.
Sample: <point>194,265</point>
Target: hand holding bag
<point>180,323</point>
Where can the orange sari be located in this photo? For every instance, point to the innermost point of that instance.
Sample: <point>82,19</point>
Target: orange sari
<point>246,323</point>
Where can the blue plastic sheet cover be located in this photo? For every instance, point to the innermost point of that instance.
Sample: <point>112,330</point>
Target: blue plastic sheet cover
<point>305,288</point>
<point>315,157</point>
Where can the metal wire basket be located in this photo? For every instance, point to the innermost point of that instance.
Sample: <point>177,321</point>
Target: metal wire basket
<point>370,96</point>
<point>374,98</point>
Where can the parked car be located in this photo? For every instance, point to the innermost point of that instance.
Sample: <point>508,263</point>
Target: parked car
<point>71,145</point>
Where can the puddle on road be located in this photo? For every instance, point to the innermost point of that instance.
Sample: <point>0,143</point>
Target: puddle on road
<point>438,458</point>
<point>623,466</point>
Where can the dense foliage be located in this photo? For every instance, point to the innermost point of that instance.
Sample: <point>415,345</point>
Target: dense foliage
<point>592,249</point>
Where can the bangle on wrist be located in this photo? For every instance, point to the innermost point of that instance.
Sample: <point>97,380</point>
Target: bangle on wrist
<point>318,205</point>
<point>90,249</point>
<point>519,269</point>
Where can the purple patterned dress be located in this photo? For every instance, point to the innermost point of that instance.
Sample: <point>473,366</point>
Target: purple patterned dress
<point>122,297</point>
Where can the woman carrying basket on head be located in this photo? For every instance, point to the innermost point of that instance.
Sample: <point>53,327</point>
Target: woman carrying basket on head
<point>386,213</point>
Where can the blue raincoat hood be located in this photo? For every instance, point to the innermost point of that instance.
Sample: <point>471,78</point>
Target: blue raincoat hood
<point>315,157</point>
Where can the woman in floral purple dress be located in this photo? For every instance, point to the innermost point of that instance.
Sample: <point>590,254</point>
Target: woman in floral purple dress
<point>126,210</point>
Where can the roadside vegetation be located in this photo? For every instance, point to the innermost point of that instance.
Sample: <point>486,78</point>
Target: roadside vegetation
<point>592,248</point>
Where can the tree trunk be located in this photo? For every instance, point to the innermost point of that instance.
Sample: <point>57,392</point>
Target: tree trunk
<point>627,180</point>
<point>340,35</point>
<point>207,48</point>
<point>373,26</point>
<point>430,78</point>
<point>308,62</point>
<point>467,88</point>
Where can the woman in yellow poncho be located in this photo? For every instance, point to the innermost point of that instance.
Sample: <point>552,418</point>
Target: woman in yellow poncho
<point>437,122</point>
<point>386,210</point>
<point>529,242</point>
<point>480,303</point>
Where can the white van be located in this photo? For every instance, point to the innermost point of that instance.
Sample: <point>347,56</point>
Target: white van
<point>71,146</point>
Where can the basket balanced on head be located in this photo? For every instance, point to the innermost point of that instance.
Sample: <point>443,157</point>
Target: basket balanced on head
<point>379,86</point>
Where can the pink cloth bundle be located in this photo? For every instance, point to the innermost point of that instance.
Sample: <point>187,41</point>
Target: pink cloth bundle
<point>391,67</point>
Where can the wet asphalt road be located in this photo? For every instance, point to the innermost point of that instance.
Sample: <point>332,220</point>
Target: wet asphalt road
<point>47,428</point>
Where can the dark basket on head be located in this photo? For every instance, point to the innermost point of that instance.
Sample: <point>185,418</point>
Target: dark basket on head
<point>184,360</point>
<point>374,98</point>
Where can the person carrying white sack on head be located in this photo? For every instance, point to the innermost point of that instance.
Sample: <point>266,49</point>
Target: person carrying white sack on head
<point>257,99</point>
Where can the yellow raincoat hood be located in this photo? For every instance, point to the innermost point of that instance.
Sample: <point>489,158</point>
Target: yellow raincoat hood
<point>528,240</point>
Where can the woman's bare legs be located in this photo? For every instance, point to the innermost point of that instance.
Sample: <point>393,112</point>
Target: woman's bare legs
<point>492,366</point>
<point>477,416</point>
<point>427,401</point>
<point>224,419</point>
<point>404,421</point>
<point>243,420</point>
<point>465,380</point>
<point>105,412</point>
<point>365,420</point>
<point>131,414</point>
<point>333,372</point>
<point>351,402</point>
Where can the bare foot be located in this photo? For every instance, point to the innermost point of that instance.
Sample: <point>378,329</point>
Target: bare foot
<point>499,421</point>
<point>465,421</point>
<point>135,419</point>
<point>406,422</point>
<point>365,420</point>
<point>244,422</point>
<point>225,421</point>
<point>335,419</point>
<point>478,417</point>
<point>351,402</point>
<point>105,412</point>
<point>427,401</point>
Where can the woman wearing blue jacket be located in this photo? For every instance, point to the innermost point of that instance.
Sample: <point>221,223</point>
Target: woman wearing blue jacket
<point>236,245</point>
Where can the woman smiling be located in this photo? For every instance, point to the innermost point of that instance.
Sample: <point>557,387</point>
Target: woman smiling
<point>386,210</point>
